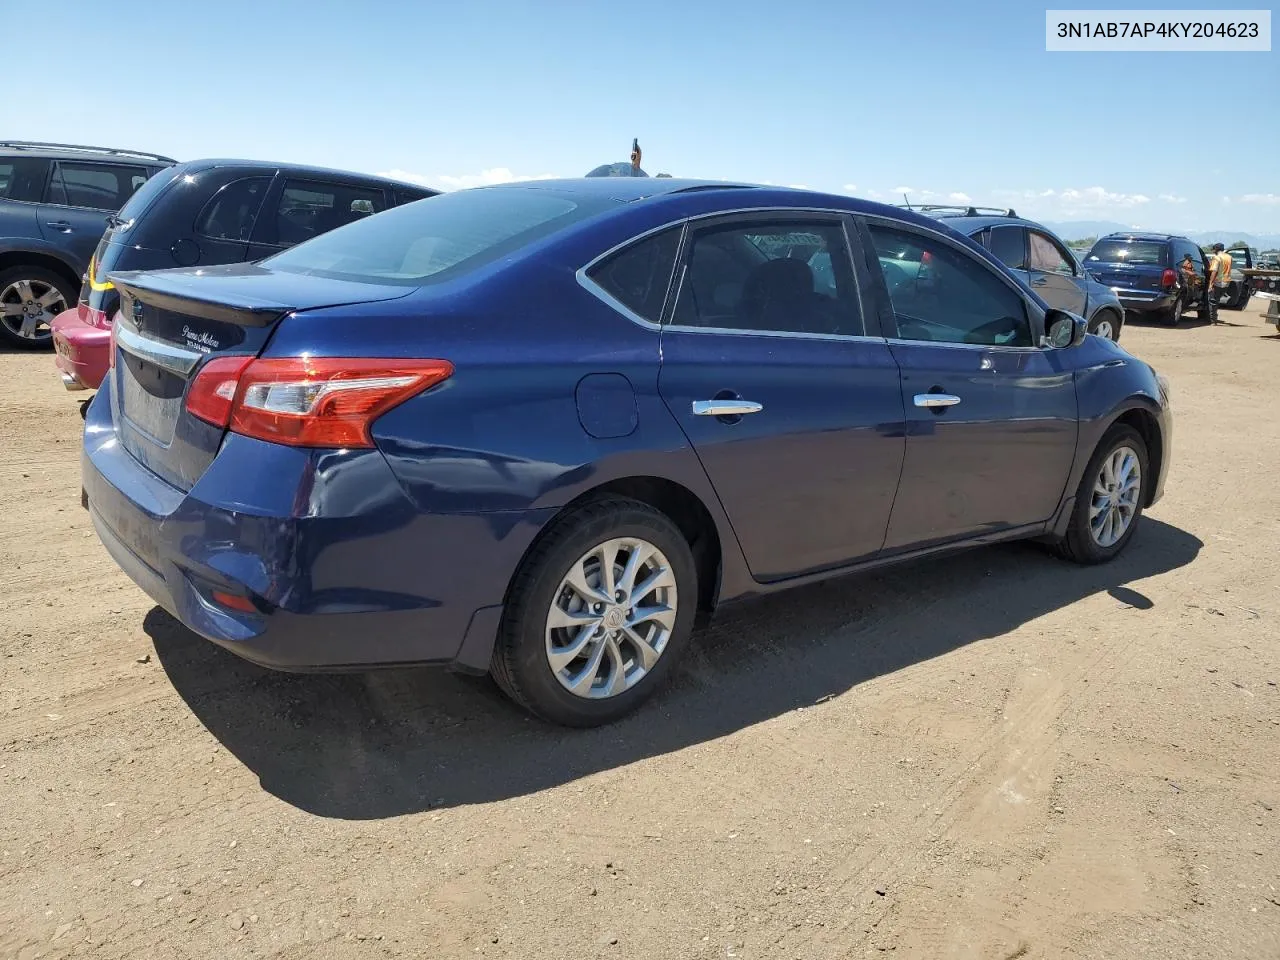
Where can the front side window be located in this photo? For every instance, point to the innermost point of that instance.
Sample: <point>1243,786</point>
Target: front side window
<point>96,186</point>
<point>421,242</point>
<point>638,277</point>
<point>778,277</point>
<point>1048,257</point>
<point>942,295</point>
<point>1009,246</point>
<point>308,209</point>
<point>231,212</point>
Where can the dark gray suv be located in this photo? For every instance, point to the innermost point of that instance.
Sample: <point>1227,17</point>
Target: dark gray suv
<point>55,202</point>
<point>1037,257</point>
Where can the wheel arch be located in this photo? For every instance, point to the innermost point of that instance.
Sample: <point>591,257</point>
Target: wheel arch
<point>1145,422</point>
<point>43,259</point>
<point>684,508</point>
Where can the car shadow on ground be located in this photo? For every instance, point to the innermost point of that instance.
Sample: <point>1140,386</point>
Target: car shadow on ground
<point>1186,323</point>
<point>395,742</point>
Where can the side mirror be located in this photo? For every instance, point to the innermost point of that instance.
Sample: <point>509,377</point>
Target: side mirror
<point>1064,330</point>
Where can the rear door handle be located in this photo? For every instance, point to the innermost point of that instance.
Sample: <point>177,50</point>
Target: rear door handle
<point>63,225</point>
<point>1039,282</point>
<point>725,408</point>
<point>935,400</point>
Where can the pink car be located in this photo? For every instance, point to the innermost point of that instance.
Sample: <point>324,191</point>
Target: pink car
<point>82,345</point>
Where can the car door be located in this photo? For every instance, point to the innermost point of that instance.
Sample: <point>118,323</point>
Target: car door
<point>1054,273</point>
<point>79,199</point>
<point>788,395</point>
<point>991,417</point>
<point>300,208</point>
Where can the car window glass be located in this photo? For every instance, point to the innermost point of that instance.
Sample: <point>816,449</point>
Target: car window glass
<point>776,277</point>
<point>310,208</point>
<point>231,212</point>
<point>22,178</point>
<point>1008,246</point>
<point>940,294</point>
<point>1048,257</point>
<point>1146,252</point>
<point>638,277</point>
<point>97,186</point>
<point>432,242</point>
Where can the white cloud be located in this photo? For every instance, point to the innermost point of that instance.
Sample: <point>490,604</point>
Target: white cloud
<point>850,188</point>
<point>872,194</point>
<point>485,178</point>
<point>906,190</point>
<point>1073,200</point>
<point>1172,198</point>
<point>798,186</point>
<point>1270,199</point>
<point>959,198</point>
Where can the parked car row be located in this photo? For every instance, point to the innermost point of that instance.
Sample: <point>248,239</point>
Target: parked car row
<point>70,214</point>
<point>1148,272</point>
<point>539,429</point>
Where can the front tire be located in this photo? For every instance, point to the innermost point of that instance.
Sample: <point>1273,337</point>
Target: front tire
<point>1106,324</point>
<point>598,614</point>
<point>1109,499</point>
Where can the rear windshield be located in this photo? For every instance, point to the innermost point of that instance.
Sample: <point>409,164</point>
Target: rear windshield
<point>144,197</point>
<point>1147,252</point>
<point>436,239</point>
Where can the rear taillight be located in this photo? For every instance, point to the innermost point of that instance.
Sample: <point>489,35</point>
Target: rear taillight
<point>1168,278</point>
<point>308,401</point>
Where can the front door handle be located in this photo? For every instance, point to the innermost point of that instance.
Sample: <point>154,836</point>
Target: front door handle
<point>63,225</point>
<point>725,408</point>
<point>935,400</point>
<point>1039,282</point>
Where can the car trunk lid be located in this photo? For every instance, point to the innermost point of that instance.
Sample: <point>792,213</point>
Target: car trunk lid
<point>172,322</point>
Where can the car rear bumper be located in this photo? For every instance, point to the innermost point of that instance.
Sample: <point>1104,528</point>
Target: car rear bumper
<point>339,576</point>
<point>82,351</point>
<point>1145,301</point>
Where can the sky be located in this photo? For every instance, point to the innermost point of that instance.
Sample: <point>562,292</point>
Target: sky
<point>943,101</point>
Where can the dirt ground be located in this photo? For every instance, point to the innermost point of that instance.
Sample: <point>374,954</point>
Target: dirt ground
<point>992,756</point>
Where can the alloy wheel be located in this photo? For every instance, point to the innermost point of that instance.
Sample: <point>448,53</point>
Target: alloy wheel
<point>1105,329</point>
<point>611,618</point>
<point>1116,490</point>
<point>27,308</point>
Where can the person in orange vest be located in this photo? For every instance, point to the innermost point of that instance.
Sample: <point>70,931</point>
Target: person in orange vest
<point>1219,278</point>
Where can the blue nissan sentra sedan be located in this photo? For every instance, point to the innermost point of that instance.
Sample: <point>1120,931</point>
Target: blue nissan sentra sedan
<point>540,429</point>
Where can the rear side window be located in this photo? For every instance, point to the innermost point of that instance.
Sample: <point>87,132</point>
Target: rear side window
<point>452,234</point>
<point>779,277</point>
<point>97,186</point>
<point>405,195</point>
<point>232,212</point>
<point>638,277</point>
<point>22,178</point>
<point>1151,253</point>
<point>309,208</point>
<point>1009,246</point>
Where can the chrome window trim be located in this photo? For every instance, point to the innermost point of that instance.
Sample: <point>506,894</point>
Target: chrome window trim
<point>686,222</point>
<point>997,347</point>
<point>172,358</point>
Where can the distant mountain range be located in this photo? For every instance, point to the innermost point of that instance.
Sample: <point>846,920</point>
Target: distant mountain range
<point>1079,229</point>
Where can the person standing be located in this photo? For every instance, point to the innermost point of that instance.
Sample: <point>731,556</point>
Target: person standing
<point>1219,278</point>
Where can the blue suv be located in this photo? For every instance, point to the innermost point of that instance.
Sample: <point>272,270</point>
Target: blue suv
<point>55,202</point>
<point>1156,275</point>
<point>1039,258</point>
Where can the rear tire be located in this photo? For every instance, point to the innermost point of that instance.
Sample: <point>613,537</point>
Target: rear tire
<point>1174,316</point>
<point>613,672</point>
<point>1104,490</point>
<point>30,297</point>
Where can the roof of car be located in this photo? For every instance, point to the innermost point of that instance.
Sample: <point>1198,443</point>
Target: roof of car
<point>299,168</point>
<point>64,151</point>
<point>630,189</point>
<point>1143,235</point>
